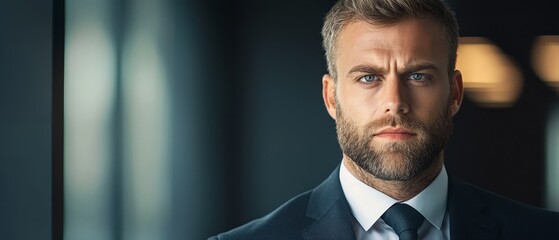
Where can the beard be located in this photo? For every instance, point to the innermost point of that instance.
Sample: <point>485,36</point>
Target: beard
<point>397,160</point>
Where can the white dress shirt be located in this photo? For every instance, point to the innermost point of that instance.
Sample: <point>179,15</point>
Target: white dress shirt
<point>368,204</point>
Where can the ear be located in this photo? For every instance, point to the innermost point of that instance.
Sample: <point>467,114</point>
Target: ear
<point>457,91</point>
<point>328,94</point>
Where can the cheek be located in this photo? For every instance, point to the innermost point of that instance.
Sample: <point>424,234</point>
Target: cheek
<point>429,104</point>
<point>362,101</point>
<point>362,109</point>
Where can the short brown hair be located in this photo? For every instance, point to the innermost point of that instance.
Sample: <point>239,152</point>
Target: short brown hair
<point>386,13</point>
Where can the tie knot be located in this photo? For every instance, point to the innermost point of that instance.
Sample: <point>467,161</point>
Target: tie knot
<point>404,219</point>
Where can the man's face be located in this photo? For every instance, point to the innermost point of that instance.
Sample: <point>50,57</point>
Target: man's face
<point>393,100</point>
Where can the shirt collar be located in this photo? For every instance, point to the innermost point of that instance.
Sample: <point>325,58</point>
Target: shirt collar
<point>368,204</point>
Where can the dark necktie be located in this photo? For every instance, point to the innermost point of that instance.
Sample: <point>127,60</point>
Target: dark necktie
<point>404,219</point>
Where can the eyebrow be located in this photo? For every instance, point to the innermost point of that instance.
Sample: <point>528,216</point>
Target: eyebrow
<point>414,67</point>
<point>418,67</point>
<point>365,69</point>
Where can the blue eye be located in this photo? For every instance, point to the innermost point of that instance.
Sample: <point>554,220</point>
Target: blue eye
<point>417,77</point>
<point>368,78</point>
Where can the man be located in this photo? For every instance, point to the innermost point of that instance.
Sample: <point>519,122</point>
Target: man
<point>392,89</point>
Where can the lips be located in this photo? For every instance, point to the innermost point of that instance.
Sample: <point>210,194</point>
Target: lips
<point>395,134</point>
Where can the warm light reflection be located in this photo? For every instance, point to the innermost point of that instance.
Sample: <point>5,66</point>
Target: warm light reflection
<point>545,59</point>
<point>491,79</point>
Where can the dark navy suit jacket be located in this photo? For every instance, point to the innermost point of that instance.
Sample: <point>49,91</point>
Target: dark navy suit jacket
<point>323,213</point>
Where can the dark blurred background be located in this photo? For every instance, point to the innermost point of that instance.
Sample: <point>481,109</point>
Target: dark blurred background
<point>184,119</point>
<point>25,119</point>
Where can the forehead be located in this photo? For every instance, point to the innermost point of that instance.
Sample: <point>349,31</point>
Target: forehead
<point>404,42</point>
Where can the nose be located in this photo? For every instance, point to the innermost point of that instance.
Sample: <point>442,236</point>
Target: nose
<point>395,97</point>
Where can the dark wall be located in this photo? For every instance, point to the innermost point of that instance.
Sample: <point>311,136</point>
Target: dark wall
<point>25,119</point>
<point>261,120</point>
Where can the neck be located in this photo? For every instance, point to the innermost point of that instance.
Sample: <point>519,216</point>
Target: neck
<point>399,190</point>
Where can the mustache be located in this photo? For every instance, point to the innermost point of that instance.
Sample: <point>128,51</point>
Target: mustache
<point>401,121</point>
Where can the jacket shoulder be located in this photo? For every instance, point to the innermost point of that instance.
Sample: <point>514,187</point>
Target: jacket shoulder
<point>286,222</point>
<point>508,207</point>
<point>515,219</point>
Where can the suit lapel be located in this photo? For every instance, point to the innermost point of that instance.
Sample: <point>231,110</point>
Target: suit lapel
<point>469,217</point>
<point>330,211</point>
